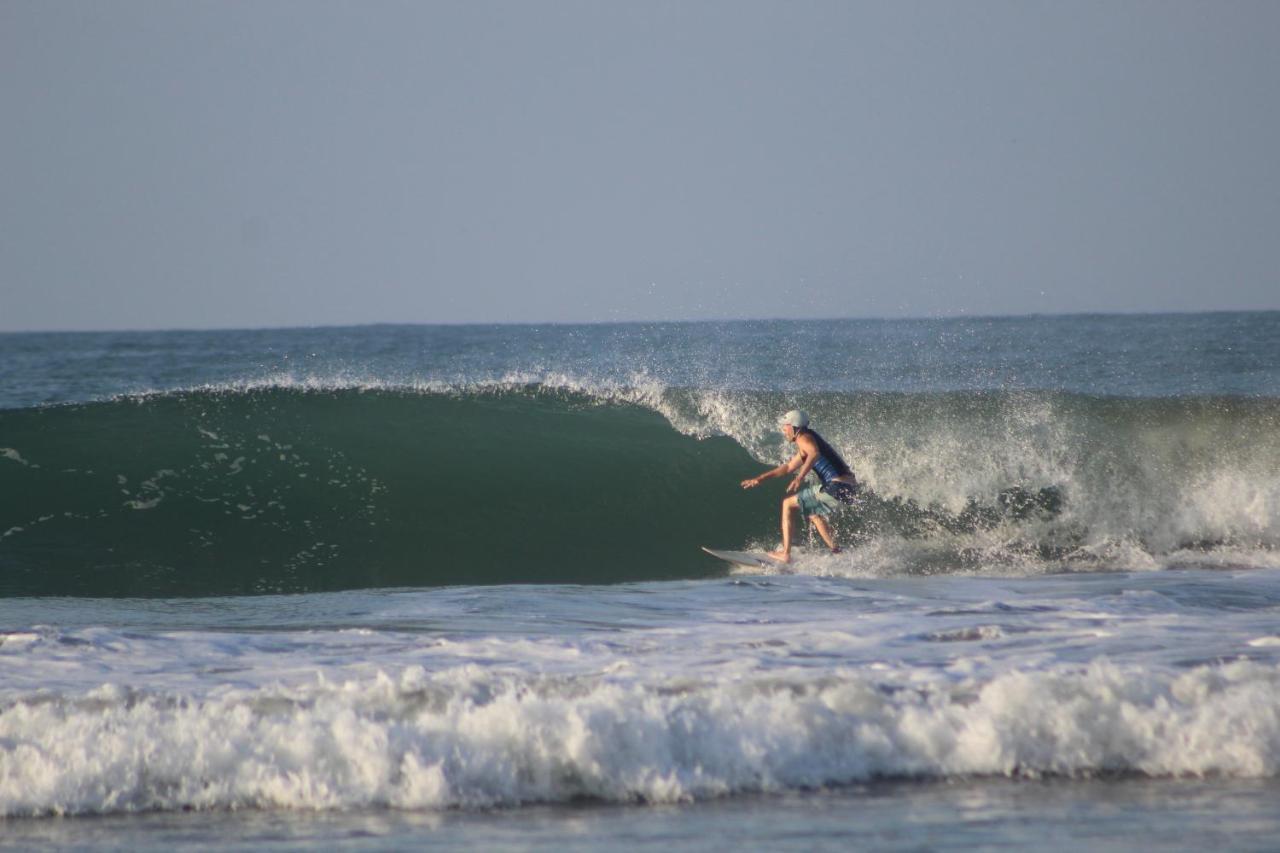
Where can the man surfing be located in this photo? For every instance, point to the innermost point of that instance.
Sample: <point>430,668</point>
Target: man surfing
<point>815,503</point>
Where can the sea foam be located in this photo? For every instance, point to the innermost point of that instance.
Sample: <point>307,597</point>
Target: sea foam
<point>471,738</point>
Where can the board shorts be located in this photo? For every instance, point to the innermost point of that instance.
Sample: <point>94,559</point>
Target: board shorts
<point>823,500</point>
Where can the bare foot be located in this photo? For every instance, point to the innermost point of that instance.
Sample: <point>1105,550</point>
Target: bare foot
<point>779,555</point>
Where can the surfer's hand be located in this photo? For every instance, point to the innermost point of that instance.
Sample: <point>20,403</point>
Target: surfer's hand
<point>794,485</point>
<point>750,482</point>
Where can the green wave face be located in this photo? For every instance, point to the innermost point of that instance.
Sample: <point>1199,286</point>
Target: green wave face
<point>280,490</point>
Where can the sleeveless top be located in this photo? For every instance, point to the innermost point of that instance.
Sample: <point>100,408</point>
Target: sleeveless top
<point>829,464</point>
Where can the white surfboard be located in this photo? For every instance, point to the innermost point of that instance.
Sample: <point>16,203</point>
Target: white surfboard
<point>747,559</point>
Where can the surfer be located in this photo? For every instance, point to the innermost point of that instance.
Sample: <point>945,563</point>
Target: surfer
<point>815,503</point>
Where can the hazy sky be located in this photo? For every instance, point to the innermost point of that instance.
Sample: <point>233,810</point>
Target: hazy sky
<point>197,164</point>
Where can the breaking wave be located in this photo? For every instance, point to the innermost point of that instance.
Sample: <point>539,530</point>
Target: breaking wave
<point>467,738</point>
<point>280,488</point>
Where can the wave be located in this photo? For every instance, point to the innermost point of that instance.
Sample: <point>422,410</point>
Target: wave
<point>287,490</point>
<point>464,738</point>
<point>1033,481</point>
<point>273,488</point>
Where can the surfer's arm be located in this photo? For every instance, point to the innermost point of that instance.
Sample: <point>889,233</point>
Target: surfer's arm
<point>803,460</point>
<point>785,468</point>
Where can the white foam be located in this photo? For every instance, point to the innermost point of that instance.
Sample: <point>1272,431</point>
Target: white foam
<point>473,738</point>
<point>15,639</point>
<point>14,456</point>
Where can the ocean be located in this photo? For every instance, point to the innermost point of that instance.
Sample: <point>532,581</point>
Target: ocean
<point>413,586</point>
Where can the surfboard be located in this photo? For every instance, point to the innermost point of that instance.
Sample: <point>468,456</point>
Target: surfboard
<point>746,559</point>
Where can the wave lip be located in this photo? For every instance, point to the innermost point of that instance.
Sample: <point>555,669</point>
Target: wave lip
<point>463,739</point>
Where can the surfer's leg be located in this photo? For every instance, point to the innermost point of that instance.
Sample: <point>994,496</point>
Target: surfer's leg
<point>783,554</point>
<point>824,530</point>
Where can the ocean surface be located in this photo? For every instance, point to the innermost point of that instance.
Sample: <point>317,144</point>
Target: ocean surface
<point>413,586</point>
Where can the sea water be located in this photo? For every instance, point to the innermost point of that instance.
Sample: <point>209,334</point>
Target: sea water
<point>400,586</point>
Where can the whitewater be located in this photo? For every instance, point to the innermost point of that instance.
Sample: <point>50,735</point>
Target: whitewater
<point>393,586</point>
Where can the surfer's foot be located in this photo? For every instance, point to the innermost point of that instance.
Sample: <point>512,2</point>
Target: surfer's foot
<point>836,550</point>
<point>780,555</point>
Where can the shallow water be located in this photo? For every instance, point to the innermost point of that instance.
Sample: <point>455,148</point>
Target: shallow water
<point>1115,814</point>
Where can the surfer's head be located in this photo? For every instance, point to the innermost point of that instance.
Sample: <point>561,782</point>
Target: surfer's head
<point>797,419</point>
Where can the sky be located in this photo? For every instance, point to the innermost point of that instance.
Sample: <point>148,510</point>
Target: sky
<point>214,164</point>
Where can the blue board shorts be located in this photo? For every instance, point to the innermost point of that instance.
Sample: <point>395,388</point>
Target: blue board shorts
<point>822,501</point>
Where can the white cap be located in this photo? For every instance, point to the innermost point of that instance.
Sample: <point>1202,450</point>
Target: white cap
<point>796,418</point>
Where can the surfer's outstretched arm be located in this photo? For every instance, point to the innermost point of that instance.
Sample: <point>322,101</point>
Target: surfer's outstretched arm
<point>785,468</point>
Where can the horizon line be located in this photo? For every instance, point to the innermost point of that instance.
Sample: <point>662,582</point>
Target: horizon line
<point>647,322</point>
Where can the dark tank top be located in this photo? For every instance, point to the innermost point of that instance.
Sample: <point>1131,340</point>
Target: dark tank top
<point>829,464</point>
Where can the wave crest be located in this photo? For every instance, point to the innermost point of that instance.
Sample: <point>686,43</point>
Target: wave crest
<point>467,739</point>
